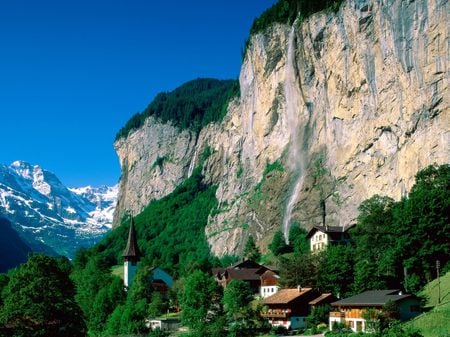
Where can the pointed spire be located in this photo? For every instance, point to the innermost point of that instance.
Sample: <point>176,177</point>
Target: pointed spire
<point>132,252</point>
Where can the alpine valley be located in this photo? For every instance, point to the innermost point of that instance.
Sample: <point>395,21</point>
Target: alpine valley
<point>331,110</point>
<point>50,217</point>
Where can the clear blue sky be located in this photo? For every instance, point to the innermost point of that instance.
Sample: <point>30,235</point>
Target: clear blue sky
<point>72,72</point>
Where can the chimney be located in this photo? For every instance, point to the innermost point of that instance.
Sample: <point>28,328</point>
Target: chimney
<point>299,288</point>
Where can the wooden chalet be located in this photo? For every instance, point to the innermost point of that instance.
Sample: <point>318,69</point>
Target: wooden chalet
<point>350,310</point>
<point>247,271</point>
<point>289,307</point>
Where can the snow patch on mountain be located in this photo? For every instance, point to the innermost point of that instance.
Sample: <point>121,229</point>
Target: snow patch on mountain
<point>41,208</point>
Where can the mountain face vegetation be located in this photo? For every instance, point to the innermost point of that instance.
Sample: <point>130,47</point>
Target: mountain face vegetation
<point>286,11</point>
<point>190,106</point>
<point>13,250</point>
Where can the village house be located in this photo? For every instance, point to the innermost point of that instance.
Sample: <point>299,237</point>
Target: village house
<point>350,311</point>
<point>247,271</point>
<point>161,280</point>
<point>269,283</point>
<point>290,307</point>
<point>321,236</point>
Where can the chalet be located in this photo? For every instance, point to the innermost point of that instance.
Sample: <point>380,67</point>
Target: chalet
<point>161,280</point>
<point>321,236</point>
<point>289,307</point>
<point>269,283</point>
<point>247,271</point>
<point>350,310</point>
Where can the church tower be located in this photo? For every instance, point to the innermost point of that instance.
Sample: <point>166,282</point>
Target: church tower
<point>131,256</point>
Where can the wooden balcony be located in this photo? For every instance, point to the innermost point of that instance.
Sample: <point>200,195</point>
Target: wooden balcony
<point>275,314</point>
<point>337,314</point>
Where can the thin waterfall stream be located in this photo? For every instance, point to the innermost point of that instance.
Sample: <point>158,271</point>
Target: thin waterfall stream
<point>296,157</point>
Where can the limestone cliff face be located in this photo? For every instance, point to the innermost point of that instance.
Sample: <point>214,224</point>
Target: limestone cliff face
<point>350,104</point>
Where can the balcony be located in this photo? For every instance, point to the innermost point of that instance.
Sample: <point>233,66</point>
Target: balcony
<point>277,313</point>
<point>337,314</point>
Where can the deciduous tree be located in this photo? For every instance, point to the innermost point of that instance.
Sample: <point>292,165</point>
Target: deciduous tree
<point>39,300</point>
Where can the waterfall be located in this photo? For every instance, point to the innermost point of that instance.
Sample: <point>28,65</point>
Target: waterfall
<point>296,157</point>
<point>192,163</point>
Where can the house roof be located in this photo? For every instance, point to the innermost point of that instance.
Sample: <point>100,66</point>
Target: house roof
<point>284,296</point>
<point>132,248</point>
<point>372,298</point>
<point>244,270</point>
<point>324,298</point>
<point>327,230</point>
<point>245,264</point>
<point>244,274</point>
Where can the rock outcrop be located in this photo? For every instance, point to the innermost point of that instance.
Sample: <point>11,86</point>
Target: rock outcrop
<point>347,105</point>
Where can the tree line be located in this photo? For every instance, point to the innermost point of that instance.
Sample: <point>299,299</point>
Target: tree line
<point>190,106</point>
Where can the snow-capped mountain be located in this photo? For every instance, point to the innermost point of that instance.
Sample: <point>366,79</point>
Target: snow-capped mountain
<point>41,208</point>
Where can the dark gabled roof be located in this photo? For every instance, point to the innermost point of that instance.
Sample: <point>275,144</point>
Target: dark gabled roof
<point>245,264</point>
<point>243,274</point>
<point>327,230</point>
<point>372,298</point>
<point>284,296</point>
<point>324,298</point>
<point>132,249</point>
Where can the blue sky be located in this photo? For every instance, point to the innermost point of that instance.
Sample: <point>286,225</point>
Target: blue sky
<point>73,72</point>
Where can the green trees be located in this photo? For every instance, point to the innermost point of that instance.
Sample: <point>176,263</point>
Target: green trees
<point>98,292</point>
<point>251,252</point>
<point>374,237</point>
<point>298,240</point>
<point>285,11</point>
<point>170,231</point>
<point>336,270</point>
<point>422,221</point>
<point>410,234</point>
<point>192,105</point>
<point>278,245</point>
<point>201,304</point>
<point>39,300</point>
<point>236,298</point>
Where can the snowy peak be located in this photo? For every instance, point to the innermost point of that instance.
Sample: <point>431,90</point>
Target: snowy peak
<point>104,198</point>
<point>40,207</point>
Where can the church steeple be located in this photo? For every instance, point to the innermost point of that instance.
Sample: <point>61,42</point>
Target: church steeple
<point>132,252</point>
<point>131,255</point>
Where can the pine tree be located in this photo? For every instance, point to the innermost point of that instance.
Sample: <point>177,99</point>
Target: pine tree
<point>251,252</point>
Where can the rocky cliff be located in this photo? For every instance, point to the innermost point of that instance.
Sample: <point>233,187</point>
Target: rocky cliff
<point>333,110</point>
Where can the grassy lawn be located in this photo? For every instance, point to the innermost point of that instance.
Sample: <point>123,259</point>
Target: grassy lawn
<point>118,271</point>
<point>436,322</point>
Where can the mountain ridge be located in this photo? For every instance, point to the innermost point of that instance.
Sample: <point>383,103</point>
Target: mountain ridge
<point>43,210</point>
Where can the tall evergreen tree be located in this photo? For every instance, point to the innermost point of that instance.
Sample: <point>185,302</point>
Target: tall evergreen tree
<point>278,245</point>
<point>251,252</point>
